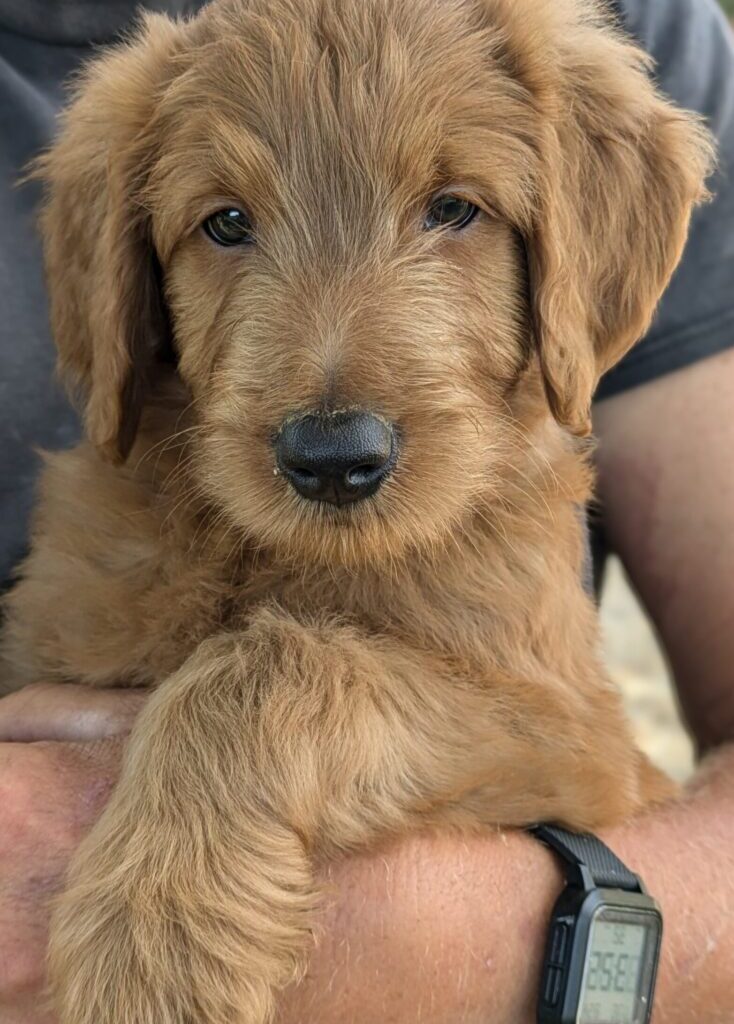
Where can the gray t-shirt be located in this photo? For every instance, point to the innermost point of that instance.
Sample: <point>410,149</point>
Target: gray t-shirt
<point>43,41</point>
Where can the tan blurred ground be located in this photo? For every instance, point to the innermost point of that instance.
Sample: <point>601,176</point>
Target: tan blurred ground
<point>638,667</point>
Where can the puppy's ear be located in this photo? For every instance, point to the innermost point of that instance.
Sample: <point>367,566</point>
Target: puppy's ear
<point>107,312</point>
<point>621,169</point>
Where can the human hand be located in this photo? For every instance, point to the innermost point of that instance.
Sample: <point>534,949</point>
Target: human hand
<point>434,929</point>
<point>60,749</point>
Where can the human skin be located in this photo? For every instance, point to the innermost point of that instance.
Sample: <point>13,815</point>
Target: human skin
<point>667,488</point>
<point>442,930</point>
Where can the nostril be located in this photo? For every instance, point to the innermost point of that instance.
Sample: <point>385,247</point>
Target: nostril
<point>359,476</point>
<point>305,480</point>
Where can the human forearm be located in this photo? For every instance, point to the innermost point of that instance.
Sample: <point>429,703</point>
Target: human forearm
<point>421,932</point>
<point>667,490</point>
<point>439,930</point>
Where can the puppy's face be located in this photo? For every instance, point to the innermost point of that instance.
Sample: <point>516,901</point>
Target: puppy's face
<point>344,203</point>
<point>343,275</point>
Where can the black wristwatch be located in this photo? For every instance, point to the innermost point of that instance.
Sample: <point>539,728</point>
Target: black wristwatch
<point>603,946</point>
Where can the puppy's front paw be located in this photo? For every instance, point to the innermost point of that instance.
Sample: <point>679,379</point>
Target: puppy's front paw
<point>126,951</point>
<point>104,967</point>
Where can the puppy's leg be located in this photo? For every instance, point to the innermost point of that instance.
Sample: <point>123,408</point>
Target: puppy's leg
<point>190,901</point>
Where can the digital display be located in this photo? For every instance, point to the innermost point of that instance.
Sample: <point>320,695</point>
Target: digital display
<point>616,965</point>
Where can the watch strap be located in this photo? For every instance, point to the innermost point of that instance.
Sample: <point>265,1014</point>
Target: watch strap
<point>583,850</point>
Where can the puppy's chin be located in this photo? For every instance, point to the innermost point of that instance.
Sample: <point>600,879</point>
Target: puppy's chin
<point>417,510</point>
<point>357,537</point>
<point>379,533</point>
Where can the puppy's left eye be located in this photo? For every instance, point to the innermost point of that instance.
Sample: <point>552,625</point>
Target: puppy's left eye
<point>229,227</point>
<point>450,212</point>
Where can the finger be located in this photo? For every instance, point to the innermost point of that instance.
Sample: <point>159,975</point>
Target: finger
<point>96,766</point>
<point>67,712</point>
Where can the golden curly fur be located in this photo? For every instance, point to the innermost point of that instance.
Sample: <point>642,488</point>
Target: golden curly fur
<point>325,677</point>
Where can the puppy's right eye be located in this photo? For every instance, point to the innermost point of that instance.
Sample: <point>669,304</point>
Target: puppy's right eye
<point>229,227</point>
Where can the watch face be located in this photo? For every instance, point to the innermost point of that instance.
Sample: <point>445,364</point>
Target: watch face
<point>619,972</point>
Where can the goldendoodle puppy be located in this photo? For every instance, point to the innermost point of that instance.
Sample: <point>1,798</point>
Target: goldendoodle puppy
<point>335,281</point>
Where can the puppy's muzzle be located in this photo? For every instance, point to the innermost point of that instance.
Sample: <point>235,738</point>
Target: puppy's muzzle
<point>339,458</point>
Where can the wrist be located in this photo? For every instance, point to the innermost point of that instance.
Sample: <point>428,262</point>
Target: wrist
<point>683,851</point>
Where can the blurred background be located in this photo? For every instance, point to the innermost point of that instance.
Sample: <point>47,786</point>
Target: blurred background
<point>638,667</point>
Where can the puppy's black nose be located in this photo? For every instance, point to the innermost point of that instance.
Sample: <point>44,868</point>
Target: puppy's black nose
<point>339,458</point>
